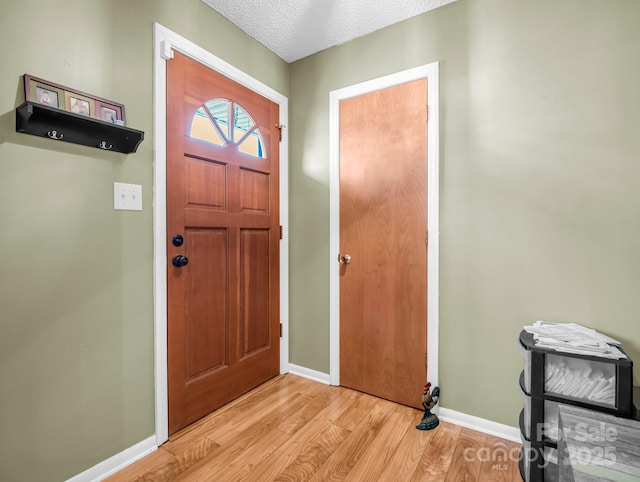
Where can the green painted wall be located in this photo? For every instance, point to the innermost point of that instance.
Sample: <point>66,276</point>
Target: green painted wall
<point>76,300</point>
<point>540,176</point>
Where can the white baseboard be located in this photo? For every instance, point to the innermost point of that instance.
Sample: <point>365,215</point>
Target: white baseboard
<point>480,424</point>
<point>117,462</point>
<point>309,373</point>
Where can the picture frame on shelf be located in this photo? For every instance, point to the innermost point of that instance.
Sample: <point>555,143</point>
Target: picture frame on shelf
<point>43,92</point>
<point>64,98</point>
<point>79,104</point>
<point>110,112</point>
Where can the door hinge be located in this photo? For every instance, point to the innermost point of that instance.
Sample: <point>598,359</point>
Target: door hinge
<point>280,127</point>
<point>281,232</point>
<point>280,330</point>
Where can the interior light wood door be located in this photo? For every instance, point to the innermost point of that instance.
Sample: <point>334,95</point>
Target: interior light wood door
<point>383,224</point>
<point>223,306</point>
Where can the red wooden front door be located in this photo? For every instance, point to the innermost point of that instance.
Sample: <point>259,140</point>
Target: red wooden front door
<point>222,199</point>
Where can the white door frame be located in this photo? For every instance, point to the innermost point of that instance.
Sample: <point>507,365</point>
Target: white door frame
<point>430,72</point>
<point>164,42</point>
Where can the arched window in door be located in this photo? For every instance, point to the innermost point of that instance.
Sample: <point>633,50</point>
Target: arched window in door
<point>224,123</point>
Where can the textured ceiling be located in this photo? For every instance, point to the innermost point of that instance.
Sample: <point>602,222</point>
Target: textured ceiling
<point>294,29</point>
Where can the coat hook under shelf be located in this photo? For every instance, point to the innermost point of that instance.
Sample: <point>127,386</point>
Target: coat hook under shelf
<point>54,135</point>
<point>103,145</point>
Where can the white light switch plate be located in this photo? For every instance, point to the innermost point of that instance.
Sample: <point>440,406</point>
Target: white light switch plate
<point>127,197</point>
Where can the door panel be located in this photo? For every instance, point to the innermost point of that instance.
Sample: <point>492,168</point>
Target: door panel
<point>206,184</point>
<point>223,306</point>
<point>383,220</point>
<point>207,294</point>
<point>254,191</point>
<point>254,290</point>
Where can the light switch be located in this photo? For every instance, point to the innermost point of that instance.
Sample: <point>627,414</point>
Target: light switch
<point>127,197</point>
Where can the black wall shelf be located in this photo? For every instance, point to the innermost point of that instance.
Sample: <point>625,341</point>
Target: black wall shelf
<point>45,121</point>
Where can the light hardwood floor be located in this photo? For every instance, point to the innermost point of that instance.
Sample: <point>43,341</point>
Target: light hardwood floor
<point>294,429</point>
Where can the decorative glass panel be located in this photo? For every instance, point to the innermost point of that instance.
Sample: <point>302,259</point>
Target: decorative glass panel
<point>202,128</point>
<point>219,109</point>
<point>213,121</point>
<point>253,144</point>
<point>242,122</point>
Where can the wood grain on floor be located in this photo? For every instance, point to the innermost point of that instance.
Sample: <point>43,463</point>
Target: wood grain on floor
<point>294,429</point>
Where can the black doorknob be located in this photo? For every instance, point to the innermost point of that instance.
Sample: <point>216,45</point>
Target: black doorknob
<point>177,240</point>
<point>179,261</point>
